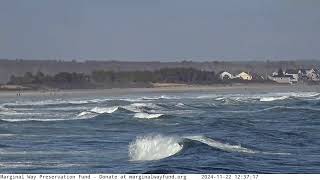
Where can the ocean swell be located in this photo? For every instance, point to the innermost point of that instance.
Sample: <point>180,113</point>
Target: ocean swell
<point>156,147</point>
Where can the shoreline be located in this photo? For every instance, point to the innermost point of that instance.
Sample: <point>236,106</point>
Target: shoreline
<point>235,88</point>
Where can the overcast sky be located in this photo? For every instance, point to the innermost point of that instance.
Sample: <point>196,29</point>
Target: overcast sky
<point>162,30</point>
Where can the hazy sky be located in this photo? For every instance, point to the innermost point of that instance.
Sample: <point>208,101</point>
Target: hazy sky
<point>160,29</point>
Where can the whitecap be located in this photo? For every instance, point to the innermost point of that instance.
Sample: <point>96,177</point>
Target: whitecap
<point>160,97</point>
<point>220,145</point>
<point>228,147</point>
<point>139,107</point>
<point>96,111</point>
<point>86,114</point>
<point>181,105</point>
<point>305,94</point>
<point>153,148</point>
<point>147,115</point>
<point>156,147</point>
<point>269,99</point>
<point>108,110</point>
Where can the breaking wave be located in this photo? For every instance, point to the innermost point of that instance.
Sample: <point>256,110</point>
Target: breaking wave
<point>220,145</point>
<point>269,99</point>
<point>156,147</point>
<point>274,108</point>
<point>7,111</point>
<point>147,115</point>
<point>160,97</point>
<point>266,97</point>
<point>97,111</point>
<point>135,108</point>
<point>51,103</point>
<point>104,110</point>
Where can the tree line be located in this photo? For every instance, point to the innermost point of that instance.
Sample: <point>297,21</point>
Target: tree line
<point>165,75</point>
<point>102,78</point>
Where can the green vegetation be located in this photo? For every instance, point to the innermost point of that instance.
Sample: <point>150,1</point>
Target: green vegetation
<point>62,80</point>
<point>109,79</point>
<point>166,75</point>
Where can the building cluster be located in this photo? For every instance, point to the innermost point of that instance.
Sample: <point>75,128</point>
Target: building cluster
<point>289,76</point>
<point>292,76</point>
<point>224,75</point>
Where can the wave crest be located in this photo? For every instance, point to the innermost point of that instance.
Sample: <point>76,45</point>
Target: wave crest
<point>153,148</point>
<point>269,99</point>
<point>220,145</point>
<point>108,110</point>
<point>156,147</point>
<point>147,115</point>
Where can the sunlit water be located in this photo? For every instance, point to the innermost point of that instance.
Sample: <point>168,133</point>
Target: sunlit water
<point>161,133</point>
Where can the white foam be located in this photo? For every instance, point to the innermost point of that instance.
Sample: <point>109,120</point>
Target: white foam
<point>150,98</point>
<point>97,110</point>
<point>8,112</point>
<point>208,96</point>
<point>147,115</point>
<point>269,99</point>
<point>138,107</point>
<point>108,110</point>
<point>85,113</point>
<point>220,145</point>
<point>150,105</point>
<point>180,105</point>
<point>220,98</point>
<point>160,97</point>
<point>153,148</point>
<point>132,108</point>
<point>129,99</point>
<point>305,94</point>
<point>54,102</point>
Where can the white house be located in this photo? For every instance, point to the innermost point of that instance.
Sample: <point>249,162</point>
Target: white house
<point>226,75</point>
<point>312,75</point>
<point>275,74</point>
<point>294,73</point>
<point>244,76</point>
<point>285,79</point>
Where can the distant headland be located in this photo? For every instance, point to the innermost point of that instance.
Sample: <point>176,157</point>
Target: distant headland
<point>56,74</point>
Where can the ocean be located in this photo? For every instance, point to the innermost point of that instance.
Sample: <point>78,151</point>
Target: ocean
<point>161,132</point>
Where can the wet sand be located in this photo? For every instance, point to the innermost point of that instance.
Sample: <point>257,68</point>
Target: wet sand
<point>238,88</point>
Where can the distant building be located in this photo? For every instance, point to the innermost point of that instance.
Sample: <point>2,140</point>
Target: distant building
<point>294,73</point>
<point>244,76</point>
<point>224,75</point>
<point>275,74</point>
<point>285,79</point>
<point>313,75</point>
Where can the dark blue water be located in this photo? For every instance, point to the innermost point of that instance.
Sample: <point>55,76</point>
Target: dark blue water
<point>161,133</point>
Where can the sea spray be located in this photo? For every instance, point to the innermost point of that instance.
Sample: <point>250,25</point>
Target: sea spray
<point>153,147</point>
<point>147,115</point>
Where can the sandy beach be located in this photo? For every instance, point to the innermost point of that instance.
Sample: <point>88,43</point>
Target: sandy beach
<point>238,88</point>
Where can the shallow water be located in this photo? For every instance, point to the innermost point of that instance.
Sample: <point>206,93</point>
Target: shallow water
<point>161,133</point>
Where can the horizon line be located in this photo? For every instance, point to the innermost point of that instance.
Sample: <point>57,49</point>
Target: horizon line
<point>161,61</point>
